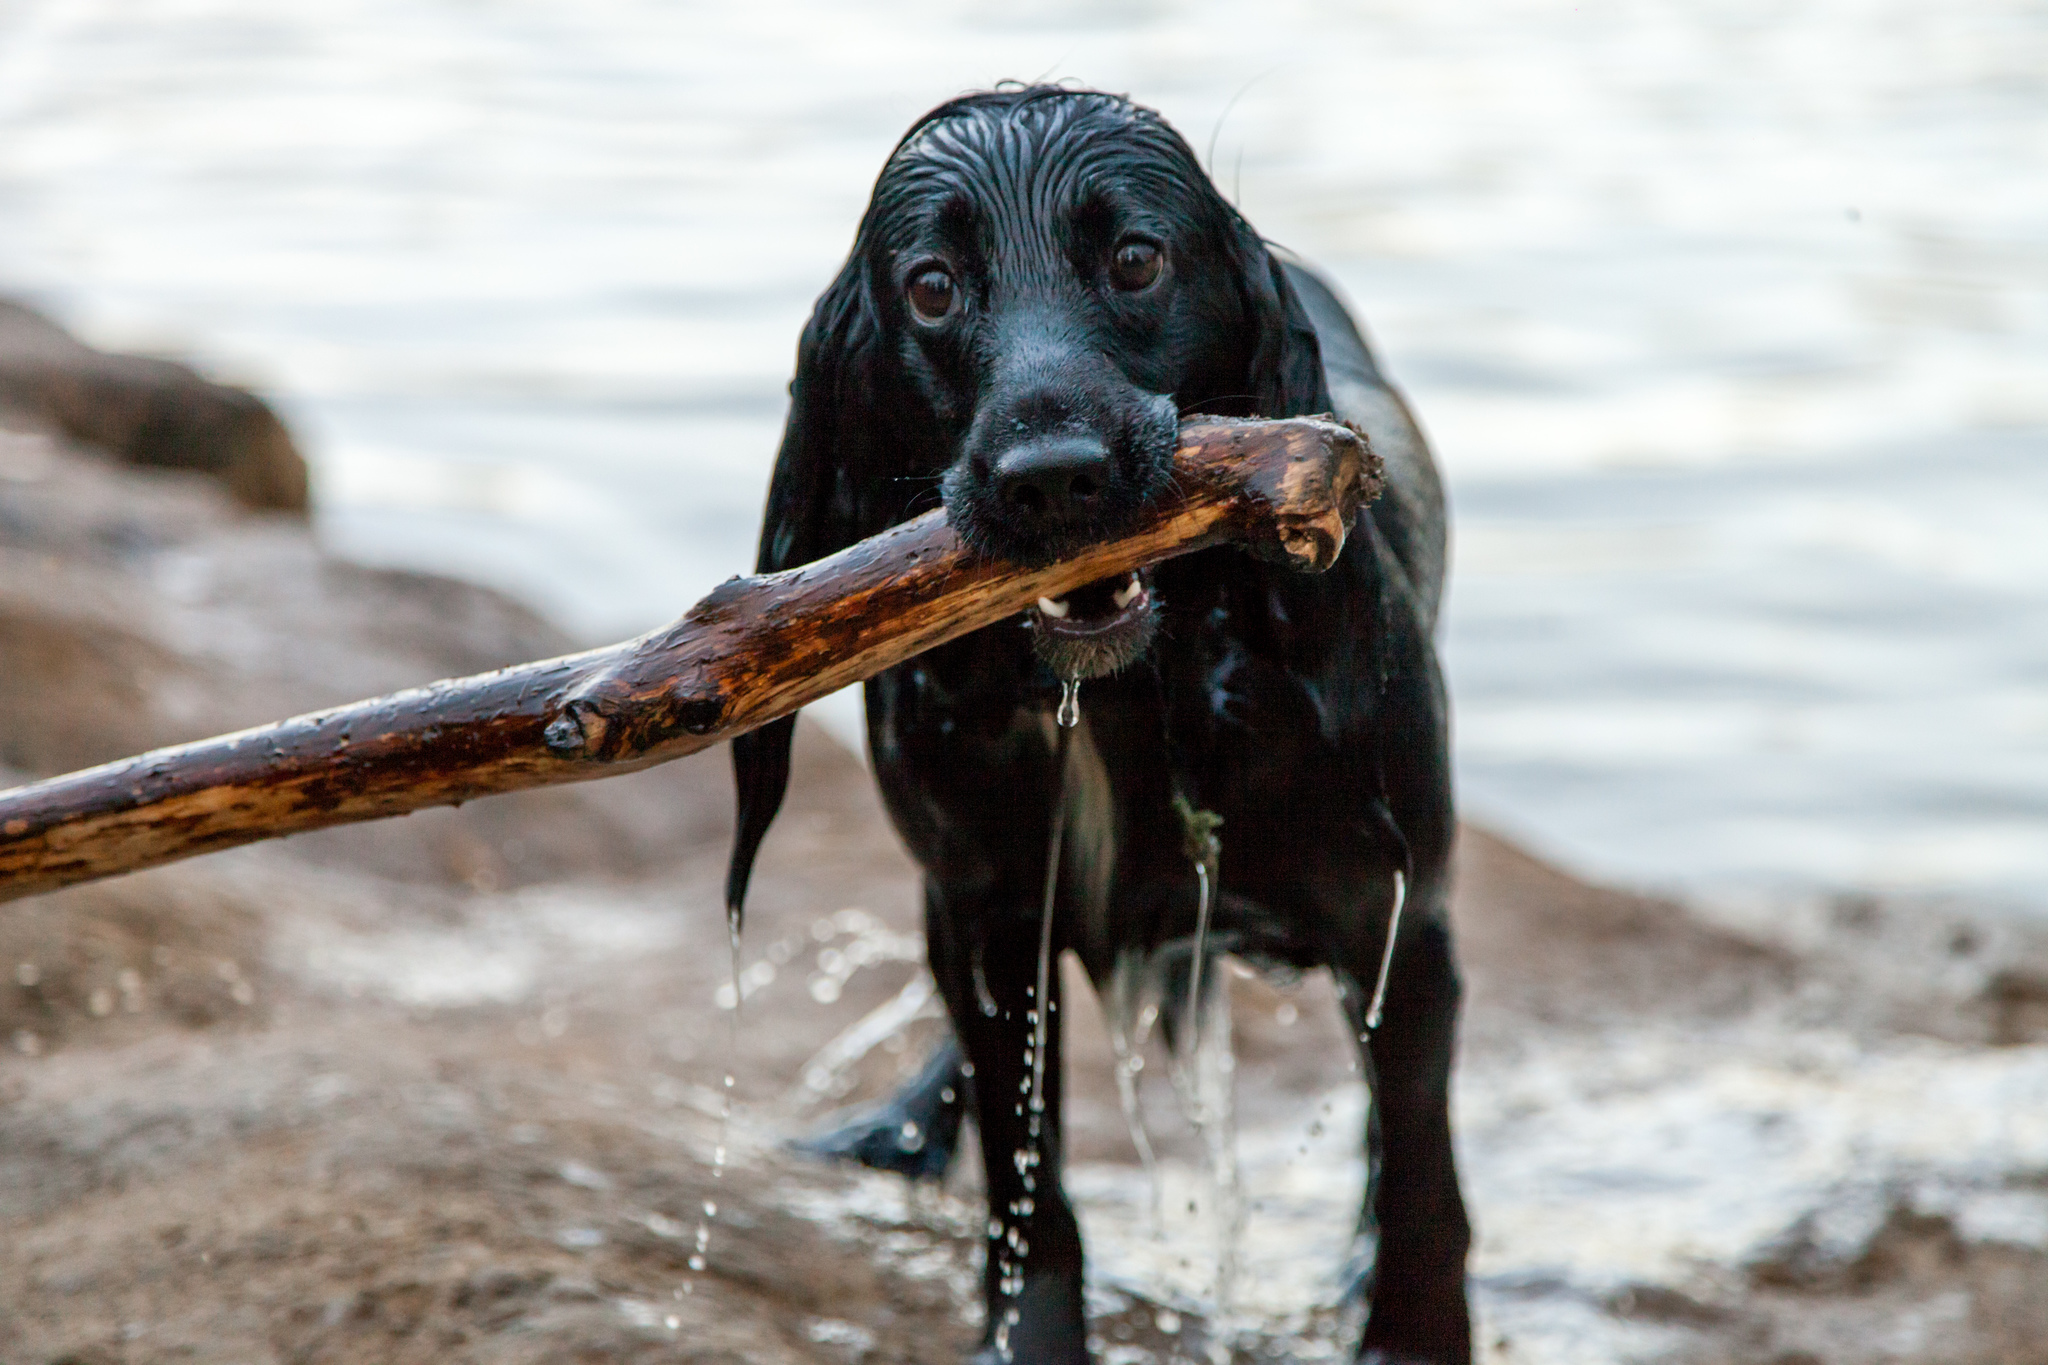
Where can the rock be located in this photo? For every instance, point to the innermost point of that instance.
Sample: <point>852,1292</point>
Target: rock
<point>141,608</point>
<point>151,413</point>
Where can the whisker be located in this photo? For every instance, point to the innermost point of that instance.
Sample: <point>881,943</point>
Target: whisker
<point>911,508</point>
<point>1197,407</point>
<point>1209,160</point>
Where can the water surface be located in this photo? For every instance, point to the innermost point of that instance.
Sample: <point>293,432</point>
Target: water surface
<point>1730,322</point>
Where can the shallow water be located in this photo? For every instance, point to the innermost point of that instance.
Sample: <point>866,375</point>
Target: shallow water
<point>1730,322</point>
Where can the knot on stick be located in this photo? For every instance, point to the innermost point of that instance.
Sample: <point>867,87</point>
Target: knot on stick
<point>579,732</point>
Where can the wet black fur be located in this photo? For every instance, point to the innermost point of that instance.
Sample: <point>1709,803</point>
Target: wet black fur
<point>1307,711</point>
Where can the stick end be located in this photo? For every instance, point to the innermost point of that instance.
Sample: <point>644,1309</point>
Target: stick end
<point>1304,509</point>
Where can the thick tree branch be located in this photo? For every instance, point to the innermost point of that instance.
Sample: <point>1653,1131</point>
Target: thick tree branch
<point>755,649</point>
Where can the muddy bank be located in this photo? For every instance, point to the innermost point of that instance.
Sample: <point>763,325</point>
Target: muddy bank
<point>450,1087</point>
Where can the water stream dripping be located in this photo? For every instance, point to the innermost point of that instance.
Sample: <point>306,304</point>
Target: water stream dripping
<point>729,1079</point>
<point>1379,989</point>
<point>1209,1069</point>
<point>1124,1011</point>
<point>1192,1022</point>
<point>1204,1067</point>
<point>1014,1250</point>
<point>1205,851</point>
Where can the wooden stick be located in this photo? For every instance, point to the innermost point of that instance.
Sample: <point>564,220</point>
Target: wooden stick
<point>756,649</point>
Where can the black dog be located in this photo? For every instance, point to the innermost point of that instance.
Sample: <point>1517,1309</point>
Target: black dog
<point>1044,281</point>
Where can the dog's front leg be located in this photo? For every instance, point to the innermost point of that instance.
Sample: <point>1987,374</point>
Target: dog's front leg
<point>985,954</point>
<point>1419,1312</point>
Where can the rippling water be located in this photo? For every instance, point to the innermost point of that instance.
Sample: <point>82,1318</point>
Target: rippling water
<point>1730,321</point>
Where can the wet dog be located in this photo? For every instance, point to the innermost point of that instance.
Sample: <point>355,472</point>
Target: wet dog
<point>1044,282</point>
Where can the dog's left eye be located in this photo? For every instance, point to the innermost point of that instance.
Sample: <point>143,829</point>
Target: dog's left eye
<point>1135,265</point>
<point>931,294</point>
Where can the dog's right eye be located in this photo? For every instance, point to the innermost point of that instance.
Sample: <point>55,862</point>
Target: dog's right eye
<point>1135,264</point>
<point>931,294</point>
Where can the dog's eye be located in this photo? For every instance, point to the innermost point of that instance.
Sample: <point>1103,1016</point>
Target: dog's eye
<point>931,294</point>
<point>1135,265</point>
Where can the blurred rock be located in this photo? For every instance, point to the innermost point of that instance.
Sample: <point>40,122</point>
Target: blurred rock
<point>142,608</point>
<point>139,608</point>
<point>152,413</point>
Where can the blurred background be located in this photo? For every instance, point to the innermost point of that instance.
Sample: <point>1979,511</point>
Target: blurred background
<point>1729,321</point>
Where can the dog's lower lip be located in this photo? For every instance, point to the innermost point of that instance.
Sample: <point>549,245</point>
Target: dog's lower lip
<point>1128,603</point>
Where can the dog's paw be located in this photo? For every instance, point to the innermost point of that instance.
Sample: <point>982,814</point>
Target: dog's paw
<point>1453,1354</point>
<point>913,1133</point>
<point>883,1141</point>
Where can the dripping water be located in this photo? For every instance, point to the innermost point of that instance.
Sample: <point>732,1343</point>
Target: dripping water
<point>1379,989</point>
<point>729,1076</point>
<point>1195,960</point>
<point>1014,1250</point>
<point>1069,713</point>
<point>1128,1044</point>
<point>1205,851</point>
<point>1204,1065</point>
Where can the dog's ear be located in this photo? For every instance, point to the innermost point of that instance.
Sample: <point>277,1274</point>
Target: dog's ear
<point>1286,360</point>
<point>812,512</point>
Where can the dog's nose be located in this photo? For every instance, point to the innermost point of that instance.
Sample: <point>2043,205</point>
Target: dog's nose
<point>1055,477</point>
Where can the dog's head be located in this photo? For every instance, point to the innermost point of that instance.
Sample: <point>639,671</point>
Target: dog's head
<point>1044,281</point>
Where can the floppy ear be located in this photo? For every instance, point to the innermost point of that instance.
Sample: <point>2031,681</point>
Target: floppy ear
<point>1286,359</point>
<point>812,511</point>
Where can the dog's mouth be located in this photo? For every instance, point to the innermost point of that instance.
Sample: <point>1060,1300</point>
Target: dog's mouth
<point>1097,629</point>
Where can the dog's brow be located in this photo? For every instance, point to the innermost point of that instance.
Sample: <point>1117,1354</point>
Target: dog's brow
<point>956,215</point>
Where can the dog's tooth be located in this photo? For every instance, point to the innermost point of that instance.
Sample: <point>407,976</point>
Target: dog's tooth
<point>1056,610</point>
<point>1128,593</point>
